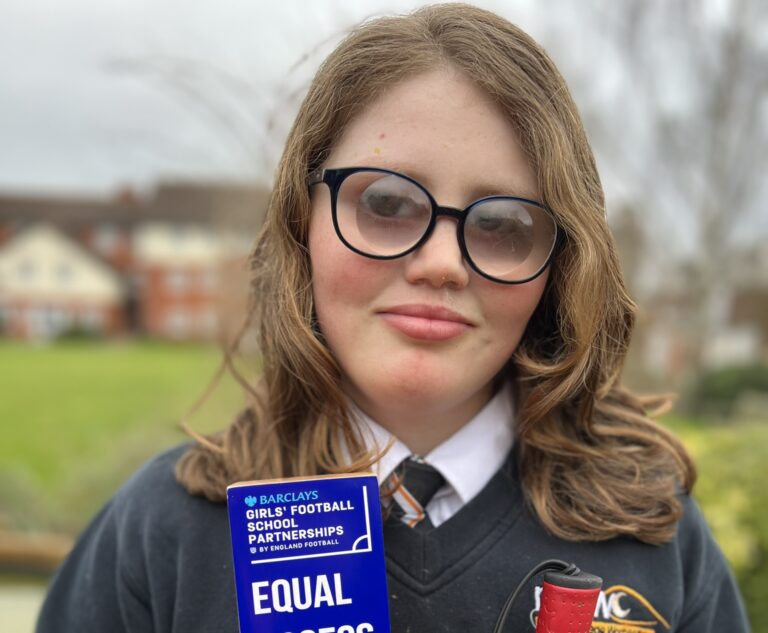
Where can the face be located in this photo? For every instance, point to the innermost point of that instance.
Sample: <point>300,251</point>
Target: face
<point>420,339</point>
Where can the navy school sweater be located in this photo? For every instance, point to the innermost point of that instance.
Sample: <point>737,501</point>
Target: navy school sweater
<point>156,559</point>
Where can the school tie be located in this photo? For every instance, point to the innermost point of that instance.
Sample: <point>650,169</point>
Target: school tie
<point>412,485</point>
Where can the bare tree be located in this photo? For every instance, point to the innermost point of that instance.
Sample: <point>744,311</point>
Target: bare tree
<point>689,131</point>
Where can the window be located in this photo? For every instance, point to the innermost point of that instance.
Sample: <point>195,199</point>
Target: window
<point>176,281</point>
<point>59,319</point>
<point>179,234</point>
<point>92,319</point>
<point>209,280</point>
<point>177,323</point>
<point>5,317</point>
<point>26,270</point>
<point>138,281</point>
<point>64,272</point>
<point>207,322</point>
<point>37,322</point>
<point>106,238</point>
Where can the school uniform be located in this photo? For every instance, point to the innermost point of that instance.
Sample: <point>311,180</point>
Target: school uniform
<point>158,559</point>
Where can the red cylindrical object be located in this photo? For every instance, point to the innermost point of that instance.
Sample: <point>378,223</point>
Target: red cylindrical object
<point>566,609</point>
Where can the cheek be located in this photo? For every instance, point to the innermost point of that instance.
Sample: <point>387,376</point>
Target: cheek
<point>336,277</point>
<point>341,279</point>
<point>509,309</point>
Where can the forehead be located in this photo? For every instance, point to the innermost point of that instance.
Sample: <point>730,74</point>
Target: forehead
<point>442,129</point>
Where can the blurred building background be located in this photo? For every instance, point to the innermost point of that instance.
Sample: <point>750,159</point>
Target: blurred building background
<point>160,266</point>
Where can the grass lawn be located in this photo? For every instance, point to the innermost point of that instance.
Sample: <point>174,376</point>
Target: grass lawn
<point>77,418</point>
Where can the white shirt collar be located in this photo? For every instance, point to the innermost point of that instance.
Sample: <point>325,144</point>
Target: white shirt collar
<point>468,459</point>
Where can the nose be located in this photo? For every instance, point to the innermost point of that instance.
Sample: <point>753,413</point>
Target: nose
<point>439,262</point>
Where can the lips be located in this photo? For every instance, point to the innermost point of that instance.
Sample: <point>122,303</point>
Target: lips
<point>426,322</point>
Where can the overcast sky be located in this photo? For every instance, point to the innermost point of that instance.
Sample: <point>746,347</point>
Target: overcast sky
<point>97,94</point>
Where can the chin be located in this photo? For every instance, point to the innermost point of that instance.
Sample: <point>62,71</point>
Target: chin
<point>417,392</point>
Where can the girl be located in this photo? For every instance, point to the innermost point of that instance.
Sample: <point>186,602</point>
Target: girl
<point>435,276</point>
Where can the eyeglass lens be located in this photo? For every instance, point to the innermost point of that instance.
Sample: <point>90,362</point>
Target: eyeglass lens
<point>384,215</point>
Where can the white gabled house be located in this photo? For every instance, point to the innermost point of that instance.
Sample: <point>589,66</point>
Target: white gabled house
<point>50,284</point>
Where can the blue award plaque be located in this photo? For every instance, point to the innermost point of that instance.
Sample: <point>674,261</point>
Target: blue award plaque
<point>309,555</point>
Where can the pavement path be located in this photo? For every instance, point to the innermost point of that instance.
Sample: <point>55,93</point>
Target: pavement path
<point>19,604</point>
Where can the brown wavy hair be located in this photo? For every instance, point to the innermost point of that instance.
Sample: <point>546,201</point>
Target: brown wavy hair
<point>593,464</point>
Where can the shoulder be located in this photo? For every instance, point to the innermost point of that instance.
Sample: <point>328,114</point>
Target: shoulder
<point>152,501</point>
<point>710,590</point>
<point>154,478</point>
<point>151,488</point>
<point>161,529</point>
<point>698,550</point>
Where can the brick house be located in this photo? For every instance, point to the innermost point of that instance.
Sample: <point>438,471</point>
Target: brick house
<point>155,261</point>
<point>739,314</point>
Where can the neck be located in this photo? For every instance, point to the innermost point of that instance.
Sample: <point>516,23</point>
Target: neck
<point>422,426</point>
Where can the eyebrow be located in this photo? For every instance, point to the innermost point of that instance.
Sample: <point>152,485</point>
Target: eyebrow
<point>480,189</point>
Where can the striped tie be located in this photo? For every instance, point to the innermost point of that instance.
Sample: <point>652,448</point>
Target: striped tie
<point>411,486</point>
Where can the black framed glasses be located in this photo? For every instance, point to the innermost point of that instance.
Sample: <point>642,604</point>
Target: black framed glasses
<point>382,214</point>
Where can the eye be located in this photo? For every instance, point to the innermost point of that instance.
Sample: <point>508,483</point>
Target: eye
<point>500,225</point>
<point>393,198</point>
<point>489,223</point>
<point>387,204</point>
